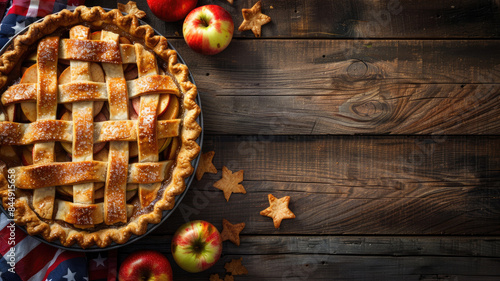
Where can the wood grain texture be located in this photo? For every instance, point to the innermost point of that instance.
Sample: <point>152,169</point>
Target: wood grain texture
<point>353,268</point>
<point>355,185</point>
<point>396,246</point>
<point>356,19</point>
<point>347,257</point>
<point>277,67</point>
<point>284,107</point>
<point>350,87</point>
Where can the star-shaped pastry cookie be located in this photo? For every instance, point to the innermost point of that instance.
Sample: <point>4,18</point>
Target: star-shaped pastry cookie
<point>230,2</point>
<point>235,267</point>
<point>231,231</point>
<point>278,210</point>
<point>254,19</point>
<point>131,9</point>
<point>229,183</point>
<point>205,165</point>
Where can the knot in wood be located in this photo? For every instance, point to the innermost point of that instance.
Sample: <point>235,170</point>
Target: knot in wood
<point>366,109</point>
<point>357,69</point>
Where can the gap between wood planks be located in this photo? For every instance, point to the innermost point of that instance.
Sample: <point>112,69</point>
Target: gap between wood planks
<point>396,246</point>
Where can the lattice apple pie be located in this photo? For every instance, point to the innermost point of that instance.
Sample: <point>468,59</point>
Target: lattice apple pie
<point>98,127</point>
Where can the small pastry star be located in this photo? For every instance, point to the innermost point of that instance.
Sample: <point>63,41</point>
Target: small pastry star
<point>205,165</point>
<point>254,19</point>
<point>231,231</point>
<point>70,276</point>
<point>131,9</point>
<point>278,209</point>
<point>235,267</point>
<point>99,260</point>
<point>229,183</point>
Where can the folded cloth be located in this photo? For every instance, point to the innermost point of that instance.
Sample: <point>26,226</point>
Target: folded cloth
<point>22,13</point>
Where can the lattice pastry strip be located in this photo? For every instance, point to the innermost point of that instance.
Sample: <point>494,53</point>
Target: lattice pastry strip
<point>115,203</point>
<point>47,53</point>
<point>82,145</point>
<point>68,173</point>
<point>92,91</point>
<point>83,121</point>
<point>147,139</point>
<point>59,130</point>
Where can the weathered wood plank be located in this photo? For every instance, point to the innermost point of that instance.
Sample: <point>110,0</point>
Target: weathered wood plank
<point>346,87</point>
<point>380,109</point>
<point>356,19</point>
<point>355,185</point>
<point>456,246</point>
<point>326,257</point>
<point>328,267</point>
<point>265,67</point>
<point>350,87</point>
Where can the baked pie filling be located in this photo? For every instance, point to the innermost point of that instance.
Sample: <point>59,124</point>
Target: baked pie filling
<point>99,131</point>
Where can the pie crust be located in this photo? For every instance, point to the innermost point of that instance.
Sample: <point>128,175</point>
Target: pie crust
<point>85,221</point>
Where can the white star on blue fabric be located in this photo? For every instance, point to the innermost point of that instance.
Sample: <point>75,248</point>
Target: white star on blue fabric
<point>19,26</point>
<point>70,276</point>
<point>99,261</point>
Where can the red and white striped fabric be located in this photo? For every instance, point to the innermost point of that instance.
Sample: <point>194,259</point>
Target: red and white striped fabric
<point>25,258</point>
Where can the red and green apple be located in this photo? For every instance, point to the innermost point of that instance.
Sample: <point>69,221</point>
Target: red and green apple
<point>208,29</point>
<point>196,246</point>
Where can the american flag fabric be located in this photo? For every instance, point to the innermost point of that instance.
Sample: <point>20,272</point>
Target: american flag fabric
<point>22,13</point>
<point>23,257</point>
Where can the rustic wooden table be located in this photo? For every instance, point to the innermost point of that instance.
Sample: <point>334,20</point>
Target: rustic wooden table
<point>381,120</point>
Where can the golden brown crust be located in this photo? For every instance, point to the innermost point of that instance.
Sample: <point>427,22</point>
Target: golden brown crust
<point>97,17</point>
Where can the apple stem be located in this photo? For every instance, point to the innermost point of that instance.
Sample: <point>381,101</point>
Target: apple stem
<point>198,246</point>
<point>204,21</point>
<point>145,275</point>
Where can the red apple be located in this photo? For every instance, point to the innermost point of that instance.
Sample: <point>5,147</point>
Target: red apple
<point>196,246</point>
<point>208,29</point>
<point>171,10</point>
<point>145,265</point>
